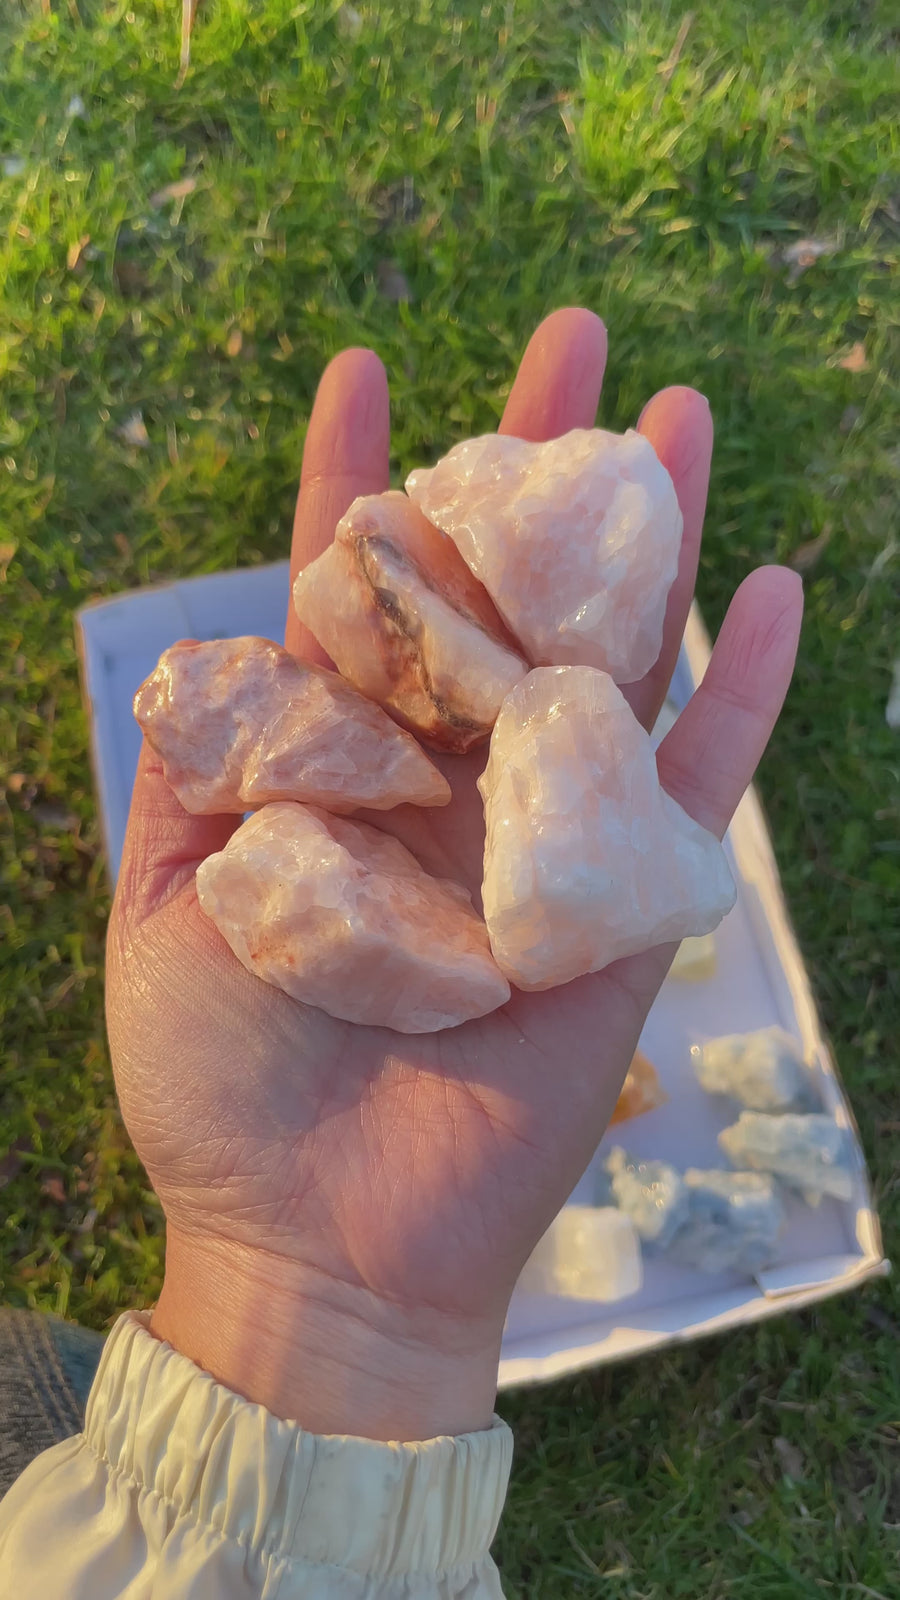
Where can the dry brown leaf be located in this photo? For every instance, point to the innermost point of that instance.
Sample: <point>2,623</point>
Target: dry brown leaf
<point>7,550</point>
<point>805,252</point>
<point>806,555</point>
<point>855,359</point>
<point>134,432</point>
<point>234,343</point>
<point>53,1188</point>
<point>173,191</point>
<point>791,1459</point>
<point>51,815</point>
<point>392,281</point>
<point>349,21</point>
<point>73,255</point>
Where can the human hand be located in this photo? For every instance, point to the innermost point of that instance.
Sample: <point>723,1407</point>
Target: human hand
<point>348,1208</point>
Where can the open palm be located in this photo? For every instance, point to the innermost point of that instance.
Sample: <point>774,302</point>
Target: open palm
<point>382,1181</point>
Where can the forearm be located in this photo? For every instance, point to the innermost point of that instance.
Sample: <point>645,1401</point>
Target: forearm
<point>327,1355</point>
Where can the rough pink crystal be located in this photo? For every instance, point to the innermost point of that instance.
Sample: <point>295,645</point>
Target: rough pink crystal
<point>403,619</point>
<point>342,917</point>
<point>587,859</point>
<point>576,540</point>
<point>240,722</point>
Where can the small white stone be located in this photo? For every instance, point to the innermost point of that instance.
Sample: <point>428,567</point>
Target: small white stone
<point>587,859</point>
<point>575,539</point>
<point>587,1253</point>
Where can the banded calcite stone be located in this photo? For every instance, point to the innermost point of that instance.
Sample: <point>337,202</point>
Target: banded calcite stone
<point>404,621</point>
<point>575,539</point>
<point>342,916</point>
<point>587,859</point>
<point>240,722</point>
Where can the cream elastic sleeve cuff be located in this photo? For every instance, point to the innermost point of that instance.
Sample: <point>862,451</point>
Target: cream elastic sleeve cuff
<point>178,1489</point>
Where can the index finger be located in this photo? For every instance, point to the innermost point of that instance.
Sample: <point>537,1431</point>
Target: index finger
<point>346,454</point>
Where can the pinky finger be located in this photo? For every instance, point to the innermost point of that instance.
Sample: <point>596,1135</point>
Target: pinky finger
<point>709,757</point>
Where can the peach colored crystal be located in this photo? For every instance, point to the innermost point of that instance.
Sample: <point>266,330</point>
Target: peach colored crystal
<point>240,722</point>
<point>641,1091</point>
<point>587,859</point>
<point>342,917</point>
<point>576,540</point>
<point>404,621</point>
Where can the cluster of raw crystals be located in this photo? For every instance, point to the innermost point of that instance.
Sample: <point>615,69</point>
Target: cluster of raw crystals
<point>503,598</point>
<point>719,1221</point>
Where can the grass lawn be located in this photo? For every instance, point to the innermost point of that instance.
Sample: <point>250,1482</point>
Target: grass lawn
<point>430,179</point>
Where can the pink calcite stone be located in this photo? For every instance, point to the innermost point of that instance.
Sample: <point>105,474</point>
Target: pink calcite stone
<point>240,722</point>
<point>342,917</point>
<point>576,540</point>
<point>404,621</point>
<point>587,859</point>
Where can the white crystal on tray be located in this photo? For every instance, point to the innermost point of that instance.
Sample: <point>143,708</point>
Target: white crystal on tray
<point>810,1153</point>
<point>733,1222</point>
<point>576,540</point>
<point>587,859</point>
<point>342,916</point>
<point>240,722</point>
<point>404,621</point>
<point>587,1253</point>
<point>652,1194</point>
<point>763,1070</point>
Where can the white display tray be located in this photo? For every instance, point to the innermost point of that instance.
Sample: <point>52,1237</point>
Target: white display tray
<point>760,979</point>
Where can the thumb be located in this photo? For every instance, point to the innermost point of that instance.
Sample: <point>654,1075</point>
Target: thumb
<point>164,844</point>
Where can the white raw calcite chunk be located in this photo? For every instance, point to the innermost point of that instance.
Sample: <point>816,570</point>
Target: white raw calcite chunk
<point>240,722</point>
<point>810,1153</point>
<point>576,540</point>
<point>404,621</point>
<point>695,959</point>
<point>733,1222</point>
<point>342,917</point>
<point>587,1253</point>
<point>586,858</point>
<point>651,1193</point>
<point>764,1070</point>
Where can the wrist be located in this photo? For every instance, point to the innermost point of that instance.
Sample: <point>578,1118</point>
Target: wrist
<point>330,1356</point>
